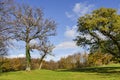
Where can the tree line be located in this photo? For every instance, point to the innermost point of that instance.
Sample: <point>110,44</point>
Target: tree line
<point>74,61</point>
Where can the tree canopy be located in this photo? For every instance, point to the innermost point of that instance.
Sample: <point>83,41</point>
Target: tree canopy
<point>100,30</point>
<point>6,7</point>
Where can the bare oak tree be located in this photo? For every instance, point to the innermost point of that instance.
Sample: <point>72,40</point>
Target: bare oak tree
<point>45,48</point>
<point>29,24</point>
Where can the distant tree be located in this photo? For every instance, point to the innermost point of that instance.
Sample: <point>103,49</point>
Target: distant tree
<point>6,66</point>
<point>35,63</point>
<point>100,30</point>
<point>17,64</point>
<point>98,58</point>
<point>51,65</point>
<point>29,24</point>
<point>61,63</point>
<point>85,59</point>
<point>13,64</point>
<point>76,60</point>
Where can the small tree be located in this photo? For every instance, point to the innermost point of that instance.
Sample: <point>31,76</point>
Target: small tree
<point>45,48</point>
<point>29,24</point>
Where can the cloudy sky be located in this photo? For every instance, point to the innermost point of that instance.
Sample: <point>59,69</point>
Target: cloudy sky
<point>65,13</point>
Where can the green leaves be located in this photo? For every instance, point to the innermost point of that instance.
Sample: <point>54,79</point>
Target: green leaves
<point>105,22</point>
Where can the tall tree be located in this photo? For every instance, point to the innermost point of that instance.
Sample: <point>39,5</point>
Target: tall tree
<point>100,30</point>
<point>29,24</point>
<point>6,7</point>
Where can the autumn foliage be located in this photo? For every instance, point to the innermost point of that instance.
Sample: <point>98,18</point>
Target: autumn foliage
<point>74,61</point>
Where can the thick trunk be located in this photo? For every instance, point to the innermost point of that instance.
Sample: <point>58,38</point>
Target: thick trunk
<point>28,58</point>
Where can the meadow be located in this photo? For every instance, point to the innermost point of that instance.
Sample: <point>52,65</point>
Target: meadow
<point>108,72</point>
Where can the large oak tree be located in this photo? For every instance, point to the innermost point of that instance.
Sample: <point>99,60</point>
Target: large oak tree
<point>29,25</point>
<point>100,30</point>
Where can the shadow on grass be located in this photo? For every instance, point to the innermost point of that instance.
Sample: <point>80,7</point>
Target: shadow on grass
<point>95,69</point>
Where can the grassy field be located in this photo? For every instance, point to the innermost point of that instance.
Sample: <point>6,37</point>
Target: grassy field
<point>109,72</point>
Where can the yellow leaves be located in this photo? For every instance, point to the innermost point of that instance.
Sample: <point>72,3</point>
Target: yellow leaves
<point>104,19</point>
<point>105,28</point>
<point>105,12</point>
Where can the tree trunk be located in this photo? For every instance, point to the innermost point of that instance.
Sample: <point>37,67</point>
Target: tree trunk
<point>41,60</point>
<point>40,65</point>
<point>28,58</point>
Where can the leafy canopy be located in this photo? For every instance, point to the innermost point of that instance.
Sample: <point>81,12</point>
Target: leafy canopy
<point>100,30</point>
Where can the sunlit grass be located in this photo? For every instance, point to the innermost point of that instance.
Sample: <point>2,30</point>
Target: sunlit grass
<point>109,72</point>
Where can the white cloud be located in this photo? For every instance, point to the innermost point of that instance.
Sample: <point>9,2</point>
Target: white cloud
<point>91,38</point>
<point>21,55</point>
<point>33,42</point>
<point>101,36</point>
<point>69,15</point>
<point>16,56</point>
<point>80,9</point>
<point>70,32</point>
<point>66,45</point>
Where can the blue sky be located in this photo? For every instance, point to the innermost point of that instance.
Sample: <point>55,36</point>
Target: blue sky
<point>65,13</point>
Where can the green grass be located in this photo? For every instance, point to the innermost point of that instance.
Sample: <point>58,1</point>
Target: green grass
<point>109,72</point>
